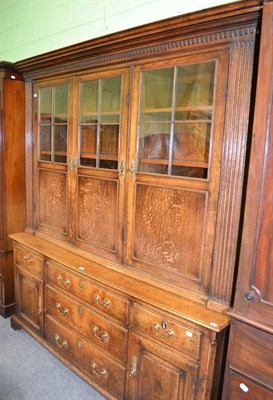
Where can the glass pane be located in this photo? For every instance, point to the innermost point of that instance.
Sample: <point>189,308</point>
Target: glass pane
<point>156,90</point>
<point>108,164</point>
<point>45,143</point>
<point>191,142</point>
<point>153,168</point>
<point>195,84</point>
<point>89,101</point>
<point>156,116</point>
<point>190,172</point>
<point>100,114</point>
<point>88,143</point>
<point>60,138</point>
<point>88,162</point>
<point>194,115</point>
<point>46,105</point>
<point>154,141</point>
<point>182,121</point>
<point>110,119</point>
<point>109,140</point>
<point>60,103</point>
<point>111,90</point>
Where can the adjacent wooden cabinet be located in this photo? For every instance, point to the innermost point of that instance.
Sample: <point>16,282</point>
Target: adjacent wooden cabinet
<point>136,145</point>
<point>249,372</point>
<point>12,177</point>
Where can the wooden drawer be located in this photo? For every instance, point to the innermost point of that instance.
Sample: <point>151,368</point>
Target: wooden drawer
<point>101,331</point>
<point>171,333</point>
<point>86,357</point>
<point>241,388</point>
<point>101,299</point>
<point>29,260</point>
<point>252,354</point>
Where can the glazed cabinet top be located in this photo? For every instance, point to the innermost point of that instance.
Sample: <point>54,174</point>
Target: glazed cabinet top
<point>139,147</point>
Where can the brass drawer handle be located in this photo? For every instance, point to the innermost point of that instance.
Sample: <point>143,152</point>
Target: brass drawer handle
<point>98,373</point>
<point>27,258</point>
<point>61,283</point>
<point>60,311</point>
<point>100,302</point>
<point>133,370</point>
<point>167,335</point>
<point>57,341</point>
<point>98,334</point>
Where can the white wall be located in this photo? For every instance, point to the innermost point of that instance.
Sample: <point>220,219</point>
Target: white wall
<point>32,27</point>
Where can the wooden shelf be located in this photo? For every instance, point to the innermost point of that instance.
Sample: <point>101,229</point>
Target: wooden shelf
<point>94,114</point>
<point>101,157</point>
<point>45,152</point>
<point>56,153</point>
<point>168,109</point>
<point>192,164</point>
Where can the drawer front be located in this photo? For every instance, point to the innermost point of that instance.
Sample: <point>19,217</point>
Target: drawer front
<point>29,260</point>
<point>99,298</point>
<point>173,334</point>
<point>252,353</point>
<point>241,388</point>
<point>86,357</point>
<point>101,331</point>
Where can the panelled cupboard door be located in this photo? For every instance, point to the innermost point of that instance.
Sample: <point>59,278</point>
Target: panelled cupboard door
<point>29,299</point>
<point>175,155</point>
<point>53,132</point>
<point>154,371</point>
<point>100,178</point>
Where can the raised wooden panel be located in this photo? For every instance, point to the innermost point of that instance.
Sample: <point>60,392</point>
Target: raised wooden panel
<point>169,231</point>
<point>52,215</point>
<point>97,212</point>
<point>174,381</point>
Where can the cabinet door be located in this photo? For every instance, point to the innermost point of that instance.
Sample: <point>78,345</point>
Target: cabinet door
<point>175,150</point>
<point>53,157</point>
<point>254,292</point>
<point>159,374</point>
<point>29,294</point>
<point>99,185</point>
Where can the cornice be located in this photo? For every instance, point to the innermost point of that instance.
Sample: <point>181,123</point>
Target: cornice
<point>135,54</point>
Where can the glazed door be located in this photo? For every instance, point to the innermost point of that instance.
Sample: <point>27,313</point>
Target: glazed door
<point>52,124</point>
<point>174,159</point>
<point>98,194</point>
